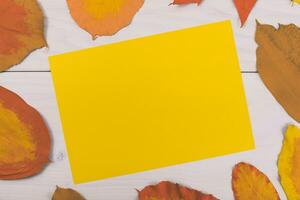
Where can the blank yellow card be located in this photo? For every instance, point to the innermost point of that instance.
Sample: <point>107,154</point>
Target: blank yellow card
<point>152,102</point>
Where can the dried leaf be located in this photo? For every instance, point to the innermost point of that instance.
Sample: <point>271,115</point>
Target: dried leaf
<point>244,8</point>
<point>289,163</point>
<point>278,64</point>
<point>21,31</point>
<point>170,191</point>
<point>66,194</point>
<point>103,17</point>
<point>181,2</point>
<point>248,183</point>
<point>24,138</point>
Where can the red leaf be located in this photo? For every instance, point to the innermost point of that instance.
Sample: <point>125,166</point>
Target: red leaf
<point>171,191</point>
<point>244,8</point>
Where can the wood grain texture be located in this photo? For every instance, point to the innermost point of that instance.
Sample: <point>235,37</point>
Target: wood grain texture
<point>155,17</point>
<point>213,175</point>
<point>269,120</point>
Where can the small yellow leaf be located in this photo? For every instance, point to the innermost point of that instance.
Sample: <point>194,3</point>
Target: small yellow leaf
<point>66,194</point>
<point>289,163</point>
<point>248,183</point>
<point>296,1</point>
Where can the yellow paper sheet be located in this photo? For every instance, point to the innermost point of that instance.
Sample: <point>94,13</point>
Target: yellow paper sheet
<point>152,102</point>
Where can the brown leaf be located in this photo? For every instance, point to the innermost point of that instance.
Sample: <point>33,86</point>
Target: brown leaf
<point>289,163</point>
<point>248,183</point>
<point>278,64</point>
<point>24,138</point>
<point>170,191</point>
<point>66,194</point>
<point>103,17</point>
<point>21,31</point>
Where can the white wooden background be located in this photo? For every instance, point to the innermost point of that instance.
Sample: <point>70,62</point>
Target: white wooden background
<point>32,80</point>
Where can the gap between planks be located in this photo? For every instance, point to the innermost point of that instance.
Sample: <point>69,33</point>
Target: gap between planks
<point>243,72</point>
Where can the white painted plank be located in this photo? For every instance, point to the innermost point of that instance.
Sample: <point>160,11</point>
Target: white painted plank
<point>213,175</point>
<point>156,16</point>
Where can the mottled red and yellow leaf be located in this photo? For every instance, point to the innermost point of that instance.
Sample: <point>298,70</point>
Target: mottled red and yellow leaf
<point>66,194</point>
<point>278,64</point>
<point>103,17</point>
<point>181,2</point>
<point>21,31</point>
<point>289,163</point>
<point>244,8</point>
<point>248,183</point>
<point>171,191</point>
<point>24,138</point>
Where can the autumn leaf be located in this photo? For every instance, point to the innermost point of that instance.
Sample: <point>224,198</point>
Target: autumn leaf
<point>278,64</point>
<point>296,1</point>
<point>66,194</point>
<point>248,183</point>
<point>103,17</point>
<point>244,8</point>
<point>21,31</point>
<point>24,138</point>
<point>289,163</point>
<point>171,191</point>
<point>181,2</point>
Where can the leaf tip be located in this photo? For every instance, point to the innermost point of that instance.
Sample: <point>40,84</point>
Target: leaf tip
<point>257,22</point>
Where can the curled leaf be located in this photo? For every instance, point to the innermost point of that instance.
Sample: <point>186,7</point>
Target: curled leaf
<point>248,183</point>
<point>103,17</point>
<point>21,31</point>
<point>278,64</point>
<point>289,163</point>
<point>171,191</point>
<point>24,138</point>
<point>244,8</point>
<point>181,2</point>
<point>66,194</point>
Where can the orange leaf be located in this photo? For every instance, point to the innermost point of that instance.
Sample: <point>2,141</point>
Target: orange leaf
<point>24,138</point>
<point>289,163</point>
<point>66,194</point>
<point>244,8</point>
<point>180,2</point>
<point>103,17</point>
<point>248,183</point>
<point>21,31</point>
<point>170,191</point>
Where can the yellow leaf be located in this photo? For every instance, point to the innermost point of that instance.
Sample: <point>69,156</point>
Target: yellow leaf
<point>103,17</point>
<point>289,163</point>
<point>248,183</point>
